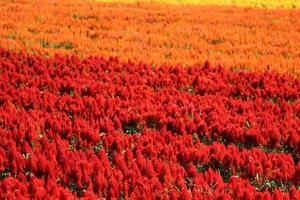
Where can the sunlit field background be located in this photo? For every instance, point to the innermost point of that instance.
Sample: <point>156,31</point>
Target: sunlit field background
<point>247,3</point>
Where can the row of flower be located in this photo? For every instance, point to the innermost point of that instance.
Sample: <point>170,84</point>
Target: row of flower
<point>104,128</point>
<point>240,37</point>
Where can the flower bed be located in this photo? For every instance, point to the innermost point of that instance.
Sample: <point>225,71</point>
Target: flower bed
<point>103,128</point>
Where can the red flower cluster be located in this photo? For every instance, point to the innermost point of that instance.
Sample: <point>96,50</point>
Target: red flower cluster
<point>104,129</point>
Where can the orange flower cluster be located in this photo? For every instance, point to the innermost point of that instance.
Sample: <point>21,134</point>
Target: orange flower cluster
<point>247,38</point>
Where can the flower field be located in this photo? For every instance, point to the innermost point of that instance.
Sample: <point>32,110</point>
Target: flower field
<point>248,38</point>
<point>290,4</point>
<point>92,108</point>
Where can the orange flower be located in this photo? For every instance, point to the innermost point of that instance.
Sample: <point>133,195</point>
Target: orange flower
<point>253,39</point>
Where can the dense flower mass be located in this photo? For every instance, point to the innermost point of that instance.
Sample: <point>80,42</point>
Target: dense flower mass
<point>98,128</point>
<point>250,38</point>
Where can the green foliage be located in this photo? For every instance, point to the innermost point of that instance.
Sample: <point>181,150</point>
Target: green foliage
<point>132,128</point>
<point>44,44</point>
<point>4,174</point>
